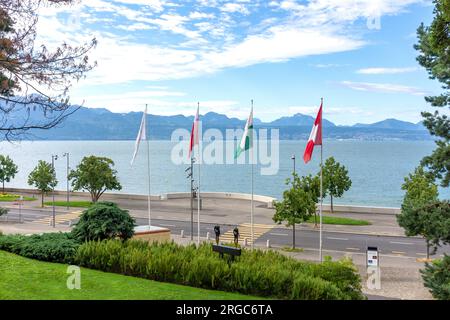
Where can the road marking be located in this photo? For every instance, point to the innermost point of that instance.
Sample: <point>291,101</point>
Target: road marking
<point>398,242</point>
<point>167,225</point>
<point>356,249</point>
<point>421,254</point>
<point>59,218</point>
<point>398,252</point>
<point>246,232</point>
<point>278,234</point>
<point>331,238</point>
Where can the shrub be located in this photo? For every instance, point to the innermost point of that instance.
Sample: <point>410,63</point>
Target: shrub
<point>3,211</point>
<point>104,220</point>
<point>261,273</point>
<point>436,277</point>
<point>53,247</point>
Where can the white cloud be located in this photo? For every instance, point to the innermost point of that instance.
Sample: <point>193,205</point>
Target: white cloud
<point>383,87</point>
<point>386,70</point>
<point>235,7</point>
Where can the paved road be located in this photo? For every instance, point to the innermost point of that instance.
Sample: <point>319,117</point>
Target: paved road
<point>278,236</point>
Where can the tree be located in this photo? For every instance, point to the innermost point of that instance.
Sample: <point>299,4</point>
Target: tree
<point>29,70</point>
<point>420,191</point>
<point>43,177</point>
<point>8,170</point>
<point>436,277</point>
<point>96,175</point>
<point>434,47</point>
<point>104,220</point>
<point>298,204</point>
<point>335,179</point>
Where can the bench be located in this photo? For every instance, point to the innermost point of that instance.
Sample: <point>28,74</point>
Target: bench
<point>221,249</point>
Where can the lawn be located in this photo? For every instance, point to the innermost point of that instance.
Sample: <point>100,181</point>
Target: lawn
<point>342,221</point>
<point>6,197</point>
<point>27,279</point>
<point>74,204</point>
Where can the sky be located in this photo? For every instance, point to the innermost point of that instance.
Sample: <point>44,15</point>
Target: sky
<point>284,54</point>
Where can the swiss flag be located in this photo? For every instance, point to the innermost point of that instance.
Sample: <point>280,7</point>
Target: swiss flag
<point>194,133</point>
<point>315,138</point>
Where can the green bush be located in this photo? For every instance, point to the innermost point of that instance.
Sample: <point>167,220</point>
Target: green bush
<point>436,277</point>
<point>104,220</point>
<point>53,247</point>
<point>3,211</point>
<point>256,272</point>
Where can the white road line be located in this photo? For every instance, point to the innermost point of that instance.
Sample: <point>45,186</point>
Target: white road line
<point>278,234</point>
<point>167,225</point>
<point>357,249</point>
<point>331,238</point>
<point>398,242</point>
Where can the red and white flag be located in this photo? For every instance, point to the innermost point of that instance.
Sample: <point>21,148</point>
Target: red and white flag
<point>194,133</point>
<point>315,138</point>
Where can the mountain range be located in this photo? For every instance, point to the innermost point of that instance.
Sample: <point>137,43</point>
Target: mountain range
<point>102,124</point>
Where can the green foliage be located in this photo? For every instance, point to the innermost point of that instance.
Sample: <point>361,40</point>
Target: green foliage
<point>73,204</point>
<point>43,178</point>
<point>104,220</point>
<point>7,197</point>
<point>420,189</point>
<point>434,49</point>
<point>256,272</point>
<point>54,247</point>
<point>326,219</point>
<point>432,221</point>
<point>27,279</point>
<point>8,170</point>
<point>335,179</point>
<point>436,277</point>
<point>96,175</point>
<point>299,202</point>
<point>3,211</point>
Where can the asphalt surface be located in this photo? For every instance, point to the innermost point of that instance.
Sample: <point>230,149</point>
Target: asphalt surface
<point>278,236</point>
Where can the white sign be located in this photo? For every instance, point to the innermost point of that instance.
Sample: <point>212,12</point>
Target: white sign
<point>372,257</point>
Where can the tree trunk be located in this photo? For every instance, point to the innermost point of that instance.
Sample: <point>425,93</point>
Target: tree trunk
<point>331,203</point>
<point>3,186</point>
<point>293,236</point>
<point>315,219</point>
<point>428,249</point>
<point>42,199</point>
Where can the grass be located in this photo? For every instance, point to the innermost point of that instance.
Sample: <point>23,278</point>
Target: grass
<point>75,204</point>
<point>290,249</point>
<point>27,279</point>
<point>339,220</point>
<point>7,197</point>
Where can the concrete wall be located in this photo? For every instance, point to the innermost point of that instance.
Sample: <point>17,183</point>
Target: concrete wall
<point>218,195</point>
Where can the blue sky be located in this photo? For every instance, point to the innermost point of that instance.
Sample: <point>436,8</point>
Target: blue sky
<point>284,54</point>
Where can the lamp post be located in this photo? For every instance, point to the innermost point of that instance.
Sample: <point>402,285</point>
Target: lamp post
<point>293,158</point>
<point>54,158</point>
<point>67,155</point>
<point>190,171</point>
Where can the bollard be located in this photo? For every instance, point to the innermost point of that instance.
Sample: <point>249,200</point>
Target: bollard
<point>207,236</point>
<point>182,233</point>
<point>268,243</point>
<point>245,242</point>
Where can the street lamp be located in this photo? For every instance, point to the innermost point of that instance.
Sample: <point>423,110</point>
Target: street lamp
<point>54,158</point>
<point>293,158</point>
<point>67,155</point>
<point>190,171</point>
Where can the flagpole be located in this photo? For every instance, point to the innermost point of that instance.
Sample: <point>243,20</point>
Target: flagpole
<point>252,164</point>
<point>198,191</point>
<point>321,184</point>
<point>148,173</point>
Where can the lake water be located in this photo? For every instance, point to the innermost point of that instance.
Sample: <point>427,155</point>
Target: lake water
<point>376,168</point>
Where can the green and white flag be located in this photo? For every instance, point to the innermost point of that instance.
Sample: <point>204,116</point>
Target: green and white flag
<point>247,137</point>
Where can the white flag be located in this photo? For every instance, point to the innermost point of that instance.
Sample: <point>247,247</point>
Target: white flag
<point>142,135</point>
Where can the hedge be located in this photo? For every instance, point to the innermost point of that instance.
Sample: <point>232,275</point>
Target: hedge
<point>256,272</point>
<point>52,247</point>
